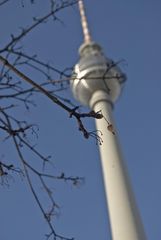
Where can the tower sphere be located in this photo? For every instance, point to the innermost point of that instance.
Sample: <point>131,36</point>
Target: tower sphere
<point>95,72</point>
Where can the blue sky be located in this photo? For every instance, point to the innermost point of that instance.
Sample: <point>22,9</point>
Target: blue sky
<point>127,30</point>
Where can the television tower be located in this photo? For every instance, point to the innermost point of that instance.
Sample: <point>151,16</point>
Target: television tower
<point>97,84</point>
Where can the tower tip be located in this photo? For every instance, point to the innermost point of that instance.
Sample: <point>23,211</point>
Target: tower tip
<point>86,33</point>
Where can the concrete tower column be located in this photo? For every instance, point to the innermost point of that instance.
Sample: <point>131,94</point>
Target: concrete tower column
<point>123,214</point>
<point>97,82</point>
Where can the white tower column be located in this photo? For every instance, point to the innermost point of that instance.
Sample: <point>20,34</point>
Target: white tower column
<point>124,218</point>
<point>97,82</point>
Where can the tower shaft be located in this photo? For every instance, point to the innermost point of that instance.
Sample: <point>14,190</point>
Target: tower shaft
<point>124,217</point>
<point>98,84</point>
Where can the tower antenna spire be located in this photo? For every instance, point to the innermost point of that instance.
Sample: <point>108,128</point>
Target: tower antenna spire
<point>86,33</point>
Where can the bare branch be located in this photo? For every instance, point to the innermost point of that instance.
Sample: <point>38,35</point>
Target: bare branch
<point>27,167</point>
<point>37,22</point>
<point>72,112</point>
<point>3,2</point>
